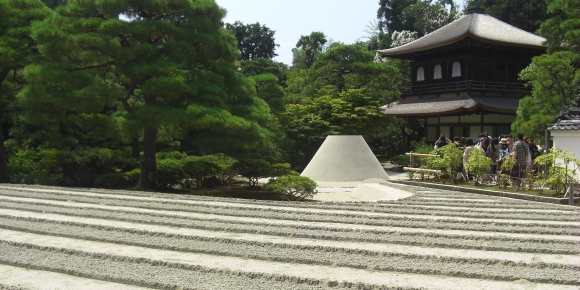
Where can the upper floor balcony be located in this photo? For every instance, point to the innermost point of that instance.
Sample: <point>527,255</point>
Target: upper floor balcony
<point>465,86</point>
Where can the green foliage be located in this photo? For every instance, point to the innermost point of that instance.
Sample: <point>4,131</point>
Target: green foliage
<point>152,69</point>
<point>401,160</point>
<point>268,81</point>
<point>169,172</point>
<point>423,16</point>
<point>22,174</point>
<point>555,80</point>
<point>430,16</point>
<point>310,45</point>
<point>254,41</point>
<point>17,49</point>
<point>562,167</point>
<point>555,76</point>
<point>478,165</point>
<point>450,161</point>
<point>118,180</point>
<point>292,187</point>
<point>43,166</point>
<point>224,166</point>
<point>253,170</point>
<point>198,168</point>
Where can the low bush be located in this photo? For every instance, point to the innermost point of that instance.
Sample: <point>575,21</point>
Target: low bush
<point>118,180</point>
<point>253,170</point>
<point>199,169</point>
<point>169,172</point>
<point>292,187</point>
<point>478,165</point>
<point>22,174</point>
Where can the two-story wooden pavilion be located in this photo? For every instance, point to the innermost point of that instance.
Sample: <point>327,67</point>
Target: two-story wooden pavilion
<point>465,76</point>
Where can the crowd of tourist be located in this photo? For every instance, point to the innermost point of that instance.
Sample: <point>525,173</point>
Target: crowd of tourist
<point>523,150</point>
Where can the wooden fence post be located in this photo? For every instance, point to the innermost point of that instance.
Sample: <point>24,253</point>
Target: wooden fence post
<point>571,193</point>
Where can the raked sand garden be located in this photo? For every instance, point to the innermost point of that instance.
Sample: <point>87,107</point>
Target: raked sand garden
<point>63,238</point>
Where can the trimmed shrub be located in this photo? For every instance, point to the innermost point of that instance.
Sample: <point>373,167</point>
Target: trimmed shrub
<point>477,164</point>
<point>292,187</point>
<point>253,169</point>
<point>199,169</point>
<point>118,180</point>
<point>169,172</point>
<point>225,170</point>
<point>22,174</point>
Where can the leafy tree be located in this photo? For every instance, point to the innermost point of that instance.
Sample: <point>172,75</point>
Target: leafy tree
<point>340,94</point>
<point>311,45</point>
<point>268,78</point>
<point>429,17</point>
<point>555,79</point>
<point>562,167</point>
<point>254,41</point>
<point>17,49</point>
<point>421,16</point>
<point>478,164</point>
<point>253,169</point>
<point>555,76</point>
<point>345,67</point>
<point>524,14</point>
<point>171,64</point>
<point>391,17</point>
<point>403,37</point>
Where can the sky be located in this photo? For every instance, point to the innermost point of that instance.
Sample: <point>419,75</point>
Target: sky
<point>340,20</point>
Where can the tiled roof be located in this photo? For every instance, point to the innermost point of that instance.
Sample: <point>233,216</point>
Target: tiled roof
<point>567,120</point>
<point>474,25</point>
<point>433,106</point>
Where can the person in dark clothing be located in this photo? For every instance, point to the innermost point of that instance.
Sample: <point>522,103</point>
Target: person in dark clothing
<point>441,142</point>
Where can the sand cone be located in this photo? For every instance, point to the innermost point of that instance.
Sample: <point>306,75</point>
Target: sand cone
<point>344,158</point>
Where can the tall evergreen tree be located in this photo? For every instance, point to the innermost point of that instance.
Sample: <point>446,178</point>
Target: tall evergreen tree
<point>311,45</point>
<point>163,62</point>
<point>17,49</point>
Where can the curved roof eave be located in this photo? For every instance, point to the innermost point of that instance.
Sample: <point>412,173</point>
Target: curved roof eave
<point>481,27</point>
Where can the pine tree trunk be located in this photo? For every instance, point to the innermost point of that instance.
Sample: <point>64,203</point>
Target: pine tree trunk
<point>136,153</point>
<point>148,161</point>
<point>4,178</point>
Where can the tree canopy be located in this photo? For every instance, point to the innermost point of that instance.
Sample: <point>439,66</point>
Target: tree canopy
<point>170,64</point>
<point>554,76</point>
<point>254,40</point>
<point>524,14</point>
<point>17,49</point>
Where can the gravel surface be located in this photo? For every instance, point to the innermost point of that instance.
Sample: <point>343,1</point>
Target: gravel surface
<point>434,239</point>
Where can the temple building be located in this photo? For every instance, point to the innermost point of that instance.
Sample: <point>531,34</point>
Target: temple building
<point>465,76</point>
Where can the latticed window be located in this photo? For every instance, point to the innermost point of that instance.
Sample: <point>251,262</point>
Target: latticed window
<point>437,72</point>
<point>456,70</point>
<point>420,74</point>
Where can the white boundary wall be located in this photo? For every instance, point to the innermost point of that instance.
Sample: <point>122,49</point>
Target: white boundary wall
<point>569,140</point>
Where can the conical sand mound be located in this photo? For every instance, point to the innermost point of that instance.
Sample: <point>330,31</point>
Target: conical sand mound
<point>344,159</point>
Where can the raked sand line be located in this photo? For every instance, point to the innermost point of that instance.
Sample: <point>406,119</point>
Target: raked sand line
<point>393,279</point>
<point>305,210</point>
<point>463,208</point>
<point>220,203</point>
<point>387,248</point>
<point>201,217</point>
<point>46,280</point>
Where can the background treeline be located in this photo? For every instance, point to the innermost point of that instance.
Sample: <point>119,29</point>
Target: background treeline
<point>150,93</point>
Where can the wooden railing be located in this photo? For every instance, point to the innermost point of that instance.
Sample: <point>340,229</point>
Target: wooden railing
<point>467,85</point>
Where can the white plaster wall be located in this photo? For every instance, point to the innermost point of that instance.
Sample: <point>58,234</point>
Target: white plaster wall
<point>569,140</point>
